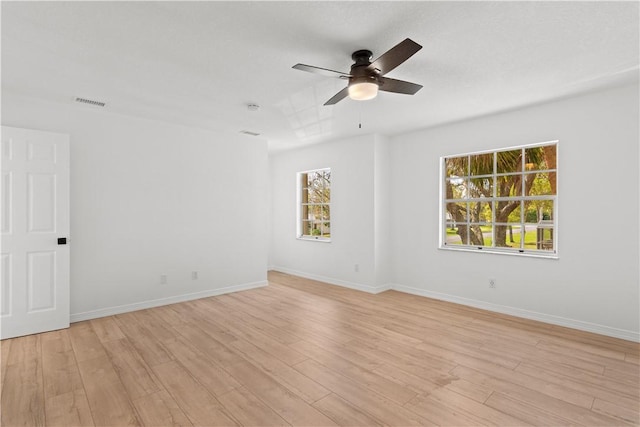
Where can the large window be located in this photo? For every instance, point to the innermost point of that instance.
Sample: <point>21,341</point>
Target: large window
<point>501,201</point>
<point>314,204</point>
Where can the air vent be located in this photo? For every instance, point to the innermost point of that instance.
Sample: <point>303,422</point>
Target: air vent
<point>248,132</point>
<point>90,102</point>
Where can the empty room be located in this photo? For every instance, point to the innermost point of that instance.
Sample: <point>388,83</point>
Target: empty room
<point>320,213</point>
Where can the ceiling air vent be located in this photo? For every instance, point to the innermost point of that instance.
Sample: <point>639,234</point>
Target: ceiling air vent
<point>90,102</point>
<point>248,132</point>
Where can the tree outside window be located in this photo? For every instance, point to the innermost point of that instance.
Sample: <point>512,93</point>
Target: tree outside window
<point>314,208</point>
<point>503,199</point>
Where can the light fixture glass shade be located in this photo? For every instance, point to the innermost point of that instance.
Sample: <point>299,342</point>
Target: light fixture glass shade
<point>363,91</point>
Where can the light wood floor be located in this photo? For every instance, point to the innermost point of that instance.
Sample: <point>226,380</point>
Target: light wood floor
<point>303,353</point>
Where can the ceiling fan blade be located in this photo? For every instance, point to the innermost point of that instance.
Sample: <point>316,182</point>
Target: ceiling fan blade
<point>321,71</point>
<point>395,56</point>
<point>338,96</point>
<point>398,86</point>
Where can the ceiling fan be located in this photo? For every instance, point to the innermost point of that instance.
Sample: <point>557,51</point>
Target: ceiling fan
<point>366,77</point>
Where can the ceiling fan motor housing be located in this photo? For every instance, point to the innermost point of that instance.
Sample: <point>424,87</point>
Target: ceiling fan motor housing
<point>360,71</point>
<point>364,81</point>
<point>361,57</point>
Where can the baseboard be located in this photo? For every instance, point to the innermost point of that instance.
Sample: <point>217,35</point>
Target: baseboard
<point>526,314</point>
<point>110,311</point>
<point>332,281</point>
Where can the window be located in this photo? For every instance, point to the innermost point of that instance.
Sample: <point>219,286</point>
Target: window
<point>314,205</point>
<point>501,201</point>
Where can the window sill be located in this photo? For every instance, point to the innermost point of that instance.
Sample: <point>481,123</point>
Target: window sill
<point>550,255</point>
<point>314,239</point>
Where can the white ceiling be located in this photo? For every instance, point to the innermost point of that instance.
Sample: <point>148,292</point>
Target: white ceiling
<point>201,63</point>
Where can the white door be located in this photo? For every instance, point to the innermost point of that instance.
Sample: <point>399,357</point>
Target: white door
<point>35,220</point>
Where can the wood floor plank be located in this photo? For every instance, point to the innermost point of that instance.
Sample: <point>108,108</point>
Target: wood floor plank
<point>344,413</point>
<point>150,349</point>
<point>256,310</point>
<point>628,372</point>
<point>196,402</point>
<point>204,313</point>
<point>249,410</point>
<point>553,389</point>
<point>632,358</point>
<point>386,352</point>
<point>300,298</point>
<point>215,379</point>
<point>564,334</point>
<point>160,409</point>
<point>498,331</point>
<point>611,391</point>
<point>368,401</point>
<point>299,384</point>
<point>365,360</point>
<point>367,378</point>
<point>526,412</point>
<point>85,342</point>
<point>66,402</point>
<point>135,374</point>
<point>534,354</point>
<point>539,399</point>
<point>22,399</point>
<point>204,342</point>
<point>5,347</point>
<point>441,414</point>
<point>625,413</point>
<point>367,327</point>
<point>468,389</point>
<point>156,325</point>
<point>168,314</point>
<point>479,413</point>
<point>59,367</point>
<point>303,353</point>
<point>108,399</point>
<point>320,333</point>
<point>24,348</point>
<point>609,363</point>
<point>286,404</point>
<point>106,329</point>
<point>242,329</point>
<point>591,348</point>
<point>625,384</point>
<point>413,361</point>
<point>436,380</point>
<point>69,409</point>
<point>629,378</point>
<point>465,357</point>
<point>413,382</point>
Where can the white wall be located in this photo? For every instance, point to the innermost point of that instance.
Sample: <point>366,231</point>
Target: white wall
<point>151,198</point>
<point>382,224</point>
<point>594,285</point>
<point>354,227</point>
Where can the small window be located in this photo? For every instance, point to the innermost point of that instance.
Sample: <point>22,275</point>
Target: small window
<point>314,205</point>
<point>501,200</point>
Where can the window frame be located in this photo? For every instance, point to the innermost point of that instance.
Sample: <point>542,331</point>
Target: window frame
<point>523,171</point>
<point>300,207</point>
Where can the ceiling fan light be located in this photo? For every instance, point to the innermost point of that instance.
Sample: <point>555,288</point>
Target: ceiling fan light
<point>363,91</point>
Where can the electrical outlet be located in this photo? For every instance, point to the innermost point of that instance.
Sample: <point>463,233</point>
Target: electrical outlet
<point>194,275</point>
<point>163,279</point>
<point>492,283</point>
